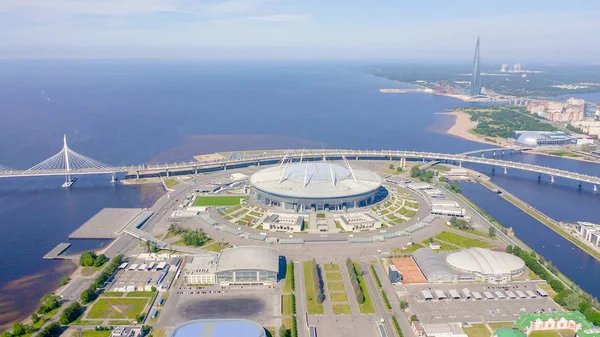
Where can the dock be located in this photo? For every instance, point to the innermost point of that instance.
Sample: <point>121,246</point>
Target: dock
<point>107,224</point>
<point>56,251</point>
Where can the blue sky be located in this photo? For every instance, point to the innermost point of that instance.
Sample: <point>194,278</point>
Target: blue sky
<point>510,30</point>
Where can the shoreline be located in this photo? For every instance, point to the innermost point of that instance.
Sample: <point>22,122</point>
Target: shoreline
<point>463,125</point>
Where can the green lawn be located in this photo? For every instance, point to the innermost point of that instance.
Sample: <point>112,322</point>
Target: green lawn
<point>338,297</point>
<point>112,294</point>
<point>93,333</point>
<point>287,305</point>
<point>477,330</point>
<point>89,271</point>
<point>335,286</point>
<point>409,249</point>
<point>333,276</point>
<point>256,214</point>
<point>550,333</point>
<point>320,216</point>
<point>443,245</point>
<point>289,271</point>
<point>219,200</point>
<point>314,308</point>
<point>171,182</point>
<point>474,232</point>
<point>140,294</point>
<point>462,241</point>
<point>216,247</point>
<point>341,309</point>
<point>232,209</point>
<point>119,322</point>
<point>331,267</point>
<point>117,308</point>
<point>498,325</point>
<point>548,289</point>
<point>367,306</point>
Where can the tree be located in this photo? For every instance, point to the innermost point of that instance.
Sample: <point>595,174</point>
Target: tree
<point>35,318</point>
<point>413,318</point>
<point>71,313</point>
<point>100,260</point>
<point>509,249</point>
<point>492,232</point>
<point>140,318</point>
<point>18,329</point>
<point>87,259</point>
<point>52,330</point>
<point>284,332</point>
<point>572,301</point>
<point>88,295</point>
<point>403,304</point>
<point>414,171</point>
<point>391,166</point>
<point>153,289</point>
<point>399,169</point>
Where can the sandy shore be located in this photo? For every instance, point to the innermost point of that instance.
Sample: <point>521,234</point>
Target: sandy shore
<point>463,124</point>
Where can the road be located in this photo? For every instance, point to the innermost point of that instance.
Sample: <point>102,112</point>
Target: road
<point>380,307</point>
<point>300,292</point>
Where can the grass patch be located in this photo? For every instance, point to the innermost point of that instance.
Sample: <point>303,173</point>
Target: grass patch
<point>219,200</point>
<point>140,294</point>
<point>289,284</point>
<point>562,153</point>
<point>78,321</point>
<point>333,276</point>
<point>119,322</point>
<point>117,308</point>
<point>462,241</point>
<point>216,247</point>
<point>287,305</point>
<point>533,276</point>
<point>474,232</point>
<point>443,245</point>
<point>477,330</point>
<point>171,182</point>
<point>336,286</point>
<point>409,249</point>
<point>367,306</point>
<point>331,267</point>
<point>112,294</point>
<point>341,309</point>
<point>232,209</point>
<point>548,289</point>
<point>93,333</point>
<point>549,333</point>
<point>89,271</point>
<point>320,216</point>
<point>256,214</point>
<point>498,325</point>
<point>338,297</point>
<point>314,308</point>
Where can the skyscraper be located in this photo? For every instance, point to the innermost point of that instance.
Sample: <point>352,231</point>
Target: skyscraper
<point>476,73</point>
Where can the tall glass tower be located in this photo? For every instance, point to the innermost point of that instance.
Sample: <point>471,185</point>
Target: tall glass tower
<point>476,73</point>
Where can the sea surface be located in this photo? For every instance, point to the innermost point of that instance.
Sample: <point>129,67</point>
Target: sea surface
<point>137,112</point>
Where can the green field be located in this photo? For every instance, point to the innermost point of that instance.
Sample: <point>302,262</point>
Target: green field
<point>140,294</point>
<point>477,330</point>
<point>331,267</point>
<point>119,322</point>
<point>550,333</point>
<point>112,294</point>
<point>170,182</point>
<point>498,325</point>
<point>314,308</point>
<point>443,245</point>
<point>335,286</point>
<point>218,200</point>
<point>287,305</point>
<point>462,241</point>
<point>341,309</point>
<point>289,271</point>
<point>338,297</point>
<point>333,276</point>
<point>117,308</point>
<point>216,246</point>
<point>93,333</point>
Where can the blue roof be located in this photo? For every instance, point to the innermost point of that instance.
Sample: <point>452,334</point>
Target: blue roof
<point>219,328</point>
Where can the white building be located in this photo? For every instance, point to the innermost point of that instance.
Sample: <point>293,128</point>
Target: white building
<point>284,222</point>
<point>443,330</point>
<point>448,210</point>
<point>201,270</point>
<point>358,221</point>
<point>589,232</point>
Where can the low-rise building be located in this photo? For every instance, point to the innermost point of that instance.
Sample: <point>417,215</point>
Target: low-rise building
<point>284,222</point>
<point>358,221</point>
<point>201,270</point>
<point>443,330</point>
<point>573,320</point>
<point>121,331</point>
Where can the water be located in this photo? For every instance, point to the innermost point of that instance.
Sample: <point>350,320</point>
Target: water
<point>126,112</point>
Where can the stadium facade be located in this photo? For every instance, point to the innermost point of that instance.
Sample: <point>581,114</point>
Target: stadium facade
<point>316,185</point>
<point>219,328</point>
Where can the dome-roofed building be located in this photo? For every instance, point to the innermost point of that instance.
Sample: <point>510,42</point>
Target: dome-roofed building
<point>248,265</point>
<point>432,266</point>
<point>316,185</point>
<point>529,138</point>
<point>487,265</point>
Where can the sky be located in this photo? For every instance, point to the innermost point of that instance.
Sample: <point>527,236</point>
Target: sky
<point>510,30</point>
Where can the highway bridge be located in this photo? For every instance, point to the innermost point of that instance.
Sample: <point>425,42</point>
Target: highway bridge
<point>69,163</point>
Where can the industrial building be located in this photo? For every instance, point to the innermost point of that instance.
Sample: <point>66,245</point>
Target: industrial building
<point>316,185</point>
<point>544,138</point>
<point>219,328</point>
<point>242,265</point>
<point>486,265</point>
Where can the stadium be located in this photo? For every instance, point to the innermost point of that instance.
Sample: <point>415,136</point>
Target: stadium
<point>486,265</point>
<point>316,186</point>
<point>219,328</point>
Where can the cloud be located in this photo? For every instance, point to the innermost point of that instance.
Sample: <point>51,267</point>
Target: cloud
<point>91,7</point>
<point>235,6</point>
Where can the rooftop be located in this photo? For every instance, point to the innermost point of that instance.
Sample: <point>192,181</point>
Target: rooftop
<point>219,328</point>
<point>249,258</point>
<point>587,328</point>
<point>485,261</point>
<point>508,332</point>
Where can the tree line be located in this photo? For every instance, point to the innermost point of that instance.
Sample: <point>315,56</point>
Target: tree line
<point>90,259</point>
<point>318,282</point>
<point>90,294</point>
<point>358,292</point>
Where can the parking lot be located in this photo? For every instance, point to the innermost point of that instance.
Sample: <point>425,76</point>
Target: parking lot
<point>484,310</point>
<point>140,278</point>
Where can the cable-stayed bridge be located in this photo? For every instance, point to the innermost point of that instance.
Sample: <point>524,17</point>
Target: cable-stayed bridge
<point>70,164</point>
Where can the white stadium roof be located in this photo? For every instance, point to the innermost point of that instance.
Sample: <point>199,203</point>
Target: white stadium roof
<point>485,261</point>
<point>315,180</point>
<point>249,258</point>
